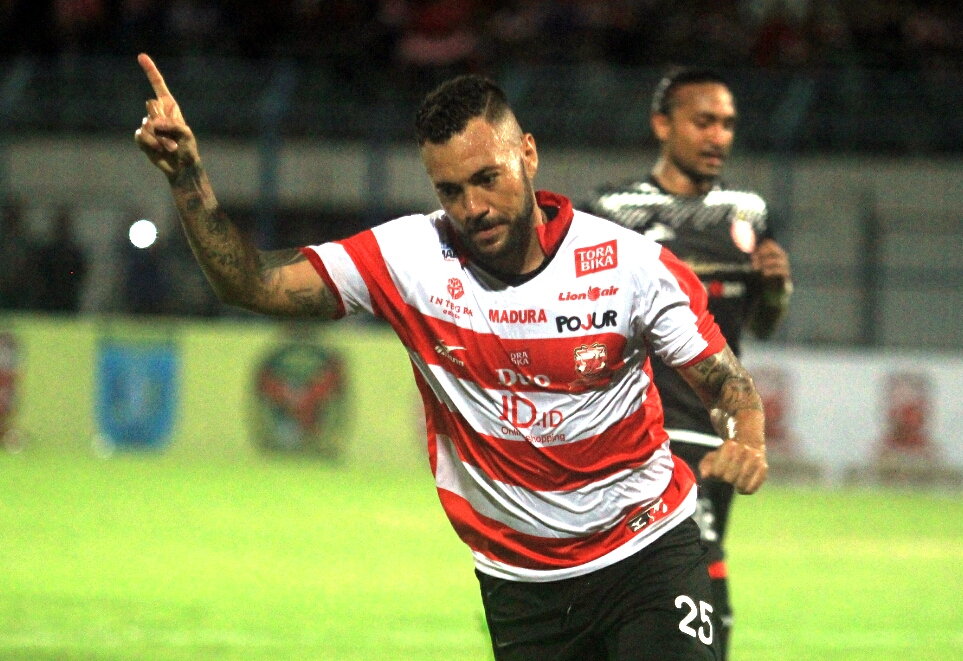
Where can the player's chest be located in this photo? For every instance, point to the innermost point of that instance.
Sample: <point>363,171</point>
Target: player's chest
<point>554,332</point>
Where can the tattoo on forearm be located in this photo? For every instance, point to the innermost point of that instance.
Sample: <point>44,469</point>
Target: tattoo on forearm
<point>240,273</point>
<point>728,383</point>
<point>726,388</point>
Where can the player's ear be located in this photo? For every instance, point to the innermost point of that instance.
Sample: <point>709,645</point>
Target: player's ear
<point>529,155</point>
<point>661,125</point>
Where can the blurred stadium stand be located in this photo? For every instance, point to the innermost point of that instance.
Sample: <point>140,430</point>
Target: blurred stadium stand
<point>851,124</point>
<point>589,104</point>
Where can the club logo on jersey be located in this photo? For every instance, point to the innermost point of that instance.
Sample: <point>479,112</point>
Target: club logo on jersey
<point>590,360</point>
<point>593,259</point>
<point>520,358</point>
<point>591,320</point>
<point>517,316</point>
<point>455,289</point>
<point>651,515</point>
<point>592,294</point>
<point>444,350</point>
<point>511,378</point>
<point>743,235</point>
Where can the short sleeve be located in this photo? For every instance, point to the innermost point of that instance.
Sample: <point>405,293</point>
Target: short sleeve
<point>679,326</point>
<point>341,275</point>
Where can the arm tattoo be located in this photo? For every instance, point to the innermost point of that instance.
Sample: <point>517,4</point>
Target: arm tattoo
<point>241,274</point>
<point>726,388</point>
<point>299,301</point>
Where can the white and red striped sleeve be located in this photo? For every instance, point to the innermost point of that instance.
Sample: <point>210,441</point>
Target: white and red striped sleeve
<point>341,274</point>
<point>678,323</point>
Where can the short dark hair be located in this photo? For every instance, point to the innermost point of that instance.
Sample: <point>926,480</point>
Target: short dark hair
<point>663,99</point>
<point>445,112</point>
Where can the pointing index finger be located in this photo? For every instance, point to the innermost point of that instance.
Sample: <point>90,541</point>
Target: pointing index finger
<point>153,75</point>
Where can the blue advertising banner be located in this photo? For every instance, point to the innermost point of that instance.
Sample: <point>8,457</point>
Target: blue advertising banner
<point>136,393</point>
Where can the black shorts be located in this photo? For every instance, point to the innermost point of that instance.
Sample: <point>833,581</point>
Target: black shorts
<point>715,499</point>
<point>652,606</point>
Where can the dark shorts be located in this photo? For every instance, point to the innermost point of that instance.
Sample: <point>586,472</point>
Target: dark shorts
<point>715,499</point>
<point>652,606</point>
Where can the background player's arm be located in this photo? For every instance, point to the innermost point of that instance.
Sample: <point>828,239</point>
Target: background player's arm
<point>735,408</point>
<point>280,282</point>
<point>772,264</point>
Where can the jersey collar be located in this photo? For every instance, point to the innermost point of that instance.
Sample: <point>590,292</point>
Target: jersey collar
<point>559,214</point>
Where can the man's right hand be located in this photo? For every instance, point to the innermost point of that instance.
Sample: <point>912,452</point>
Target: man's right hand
<point>164,135</point>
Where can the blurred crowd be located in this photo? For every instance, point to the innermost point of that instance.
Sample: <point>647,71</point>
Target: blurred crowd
<point>39,275</point>
<point>892,34</point>
<point>47,265</point>
<point>54,272</point>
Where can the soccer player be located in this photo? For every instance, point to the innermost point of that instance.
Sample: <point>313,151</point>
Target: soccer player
<point>529,327</point>
<point>722,235</point>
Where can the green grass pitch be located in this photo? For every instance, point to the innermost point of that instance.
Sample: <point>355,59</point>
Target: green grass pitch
<point>144,558</point>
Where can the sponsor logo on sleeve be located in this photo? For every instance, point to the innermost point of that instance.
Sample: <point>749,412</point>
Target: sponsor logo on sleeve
<point>590,321</point>
<point>591,294</point>
<point>517,316</point>
<point>593,259</point>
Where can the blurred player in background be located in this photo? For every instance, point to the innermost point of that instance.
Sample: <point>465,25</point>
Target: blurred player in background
<point>723,236</point>
<point>530,336</point>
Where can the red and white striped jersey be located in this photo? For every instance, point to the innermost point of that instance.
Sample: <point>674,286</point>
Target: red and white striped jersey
<point>544,430</point>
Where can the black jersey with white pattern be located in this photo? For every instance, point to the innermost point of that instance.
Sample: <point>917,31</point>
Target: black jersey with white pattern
<point>715,235</point>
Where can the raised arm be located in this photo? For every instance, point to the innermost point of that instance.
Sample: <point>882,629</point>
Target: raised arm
<point>730,396</point>
<point>278,282</point>
<point>772,264</point>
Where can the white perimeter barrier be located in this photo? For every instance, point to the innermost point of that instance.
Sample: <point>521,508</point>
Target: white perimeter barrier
<point>843,410</point>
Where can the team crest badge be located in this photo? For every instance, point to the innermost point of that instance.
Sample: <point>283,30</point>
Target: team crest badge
<point>590,360</point>
<point>455,288</point>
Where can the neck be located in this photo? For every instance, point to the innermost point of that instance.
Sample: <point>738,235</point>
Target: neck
<point>677,182</point>
<point>534,255</point>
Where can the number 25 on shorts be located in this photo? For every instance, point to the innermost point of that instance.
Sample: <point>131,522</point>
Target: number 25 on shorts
<point>703,611</point>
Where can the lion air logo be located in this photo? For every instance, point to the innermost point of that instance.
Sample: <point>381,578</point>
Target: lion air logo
<point>455,288</point>
<point>591,294</point>
<point>590,359</point>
